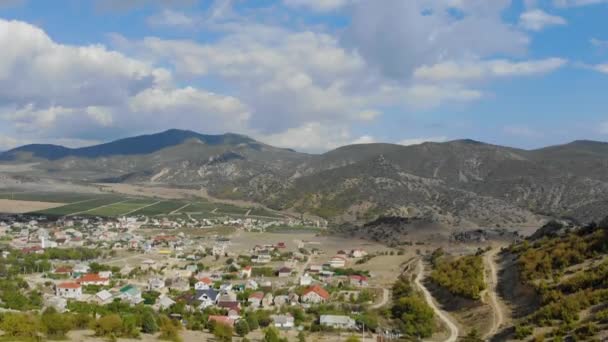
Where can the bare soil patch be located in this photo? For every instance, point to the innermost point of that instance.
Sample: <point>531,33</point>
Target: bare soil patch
<point>20,207</point>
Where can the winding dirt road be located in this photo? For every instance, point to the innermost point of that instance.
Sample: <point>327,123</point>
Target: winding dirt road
<point>491,275</point>
<point>452,327</point>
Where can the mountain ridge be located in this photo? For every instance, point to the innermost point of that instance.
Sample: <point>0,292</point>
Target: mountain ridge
<point>457,183</point>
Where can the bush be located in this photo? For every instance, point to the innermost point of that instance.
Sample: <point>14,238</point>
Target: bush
<point>462,277</point>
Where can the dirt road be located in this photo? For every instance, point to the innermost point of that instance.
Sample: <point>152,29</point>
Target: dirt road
<point>453,329</point>
<point>491,276</point>
<point>386,295</point>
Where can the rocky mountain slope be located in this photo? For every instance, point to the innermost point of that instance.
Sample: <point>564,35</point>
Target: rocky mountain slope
<point>459,183</point>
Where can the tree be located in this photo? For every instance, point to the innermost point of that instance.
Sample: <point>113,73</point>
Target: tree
<point>301,336</point>
<point>252,321</point>
<point>242,328</point>
<point>148,324</point>
<point>169,330</point>
<point>109,325</point>
<point>272,335</point>
<point>22,326</point>
<point>222,332</point>
<point>353,338</point>
<point>56,325</point>
<point>473,336</point>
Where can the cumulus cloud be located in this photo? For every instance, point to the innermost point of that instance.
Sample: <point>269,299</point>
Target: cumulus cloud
<point>599,43</point>
<point>127,5</point>
<point>537,19</point>
<point>577,3</point>
<point>481,70</point>
<point>318,5</point>
<point>418,141</point>
<point>172,18</point>
<point>315,137</point>
<point>603,68</point>
<point>399,36</point>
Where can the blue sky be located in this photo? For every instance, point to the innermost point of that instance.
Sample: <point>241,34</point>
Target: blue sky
<point>306,74</point>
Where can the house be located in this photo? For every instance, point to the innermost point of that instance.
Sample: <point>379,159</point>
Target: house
<point>255,299</point>
<point>358,280</point>
<point>206,298</point>
<point>156,284</point>
<point>93,279</point>
<point>284,272</point>
<point>58,303</point>
<point>104,297</point>
<point>338,322</point>
<point>294,299</point>
<point>64,270</point>
<point>283,321</point>
<point>261,258</point>
<point>305,280</point>
<point>315,294</point>
<point>246,272</point>
<point>233,308</point>
<point>131,294</point>
<point>225,320</point>
<point>252,284</point>
<point>105,274</point>
<point>179,284</point>
<point>281,300</point>
<point>165,302</point>
<point>357,253</point>
<point>268,300</point>
<point>204,283</point>
<point>81,269</point>
<point>337,262</point>
<point>315,268</point>
<point>219,250</point>
<point>69,290</point>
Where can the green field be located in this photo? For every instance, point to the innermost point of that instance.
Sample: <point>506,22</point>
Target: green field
<point>53,197</point>
<point>120,209</point>
<point>81,207</point>
<point>198,207</point>
<point>162,208</point>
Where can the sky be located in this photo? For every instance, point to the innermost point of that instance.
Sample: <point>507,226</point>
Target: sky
<point>310,75</point>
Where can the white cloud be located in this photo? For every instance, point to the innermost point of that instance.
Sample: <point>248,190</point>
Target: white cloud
<point>577,3</point>
<point>315,137</point>
<point>36,70</point>
<point>603,127</point>
<point>172,18</point>
<point>537,19</point>
<point>418,141</point>
<point>126,5</point>
<point>400,36</point>
<point>480,70</point>
<point>603,68</point>
<point>599,43</point>
<point>429,96</point>
<point>318,5</point>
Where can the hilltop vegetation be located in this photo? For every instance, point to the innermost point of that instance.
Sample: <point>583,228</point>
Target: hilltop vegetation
<point>460,276</point>
<point>569,273</point>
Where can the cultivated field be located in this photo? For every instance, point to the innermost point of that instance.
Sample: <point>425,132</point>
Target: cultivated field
<point>20,207</point>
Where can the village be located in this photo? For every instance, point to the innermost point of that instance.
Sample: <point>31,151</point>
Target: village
<point>225,271</point>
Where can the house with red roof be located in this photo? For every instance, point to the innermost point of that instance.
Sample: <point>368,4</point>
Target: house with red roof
<point>68,290</point>
<point>93,279</point>
<point>204,283</point>
<point>358,280</point>
<point>64,270</point>
<point>315,294</point>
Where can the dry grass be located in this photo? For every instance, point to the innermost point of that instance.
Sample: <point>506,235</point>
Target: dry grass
<point>20,207</point>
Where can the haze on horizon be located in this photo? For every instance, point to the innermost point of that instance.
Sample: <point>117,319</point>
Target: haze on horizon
<point>309,75</point>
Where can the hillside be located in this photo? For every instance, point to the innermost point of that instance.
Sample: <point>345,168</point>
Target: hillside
<point>558,284</point>
<point>461,183</point>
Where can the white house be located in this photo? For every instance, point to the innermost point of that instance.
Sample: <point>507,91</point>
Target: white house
<point>69,290</point>
<point>203,284</point>
<point>283,321</point>
<point>358,253</point>
<point>337,262</point>
<point>305,280</point>
<point>338,322</point>
<point>156,284</point>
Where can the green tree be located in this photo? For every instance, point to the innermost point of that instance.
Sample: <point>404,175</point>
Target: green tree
<point>222,332</point>
<point>21,326</point>
<point>148,323</point>
<point>56,325</point>
<point>272,335</point>
<point>353,338</point>
<point>109,325</point>
<point>242,328</point>
<point>169,330</point>
<point>473,336</point>
<point>301,336</point>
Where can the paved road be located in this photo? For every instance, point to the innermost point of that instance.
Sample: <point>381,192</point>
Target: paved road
<point>453,337</point>
<point>491,275</point>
